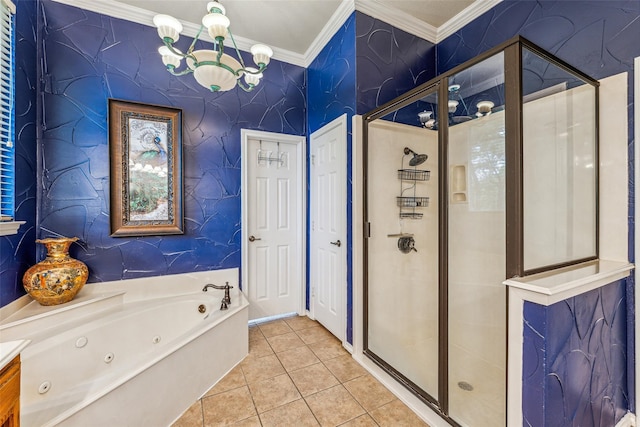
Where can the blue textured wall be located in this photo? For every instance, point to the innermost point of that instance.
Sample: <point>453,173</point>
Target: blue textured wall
<point>390,62</point>
<point>332,93</point>
<point>574,372</point>
<point>88,58</point>
<point>17,252</point>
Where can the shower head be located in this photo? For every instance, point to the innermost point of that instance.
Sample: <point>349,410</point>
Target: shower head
<point>417,159</point>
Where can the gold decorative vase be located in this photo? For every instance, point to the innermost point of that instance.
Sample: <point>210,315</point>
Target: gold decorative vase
<point>58,278</point>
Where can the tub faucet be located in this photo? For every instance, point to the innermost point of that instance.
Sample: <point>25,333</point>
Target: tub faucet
<point>227,299</point>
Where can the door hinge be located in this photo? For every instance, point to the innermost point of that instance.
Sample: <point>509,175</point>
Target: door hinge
<point>313,159</point>
<point>313,292</point>
<point>313,226</point>
<point>367,230</point>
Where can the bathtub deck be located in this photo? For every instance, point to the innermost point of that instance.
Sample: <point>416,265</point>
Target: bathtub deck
<point>297,373</point>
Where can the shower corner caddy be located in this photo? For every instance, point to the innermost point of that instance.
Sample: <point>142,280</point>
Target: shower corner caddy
<point>408,204</point>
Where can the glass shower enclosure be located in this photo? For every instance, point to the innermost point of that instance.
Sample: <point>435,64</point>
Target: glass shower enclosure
<point>485,173</point>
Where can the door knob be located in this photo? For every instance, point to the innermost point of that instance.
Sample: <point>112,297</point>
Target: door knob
<point>253,238</point>
<point>337,243</point>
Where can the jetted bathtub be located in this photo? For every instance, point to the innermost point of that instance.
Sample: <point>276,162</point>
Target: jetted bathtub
<point>122,353</point>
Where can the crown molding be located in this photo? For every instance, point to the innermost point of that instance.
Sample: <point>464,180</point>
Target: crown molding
<point>138,15</point>
<point>398,19</point>
<point>338,19</point>
<point>374,8</point>
<point>477,8</point>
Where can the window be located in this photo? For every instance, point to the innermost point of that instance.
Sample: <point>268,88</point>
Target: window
<point>7,105</point>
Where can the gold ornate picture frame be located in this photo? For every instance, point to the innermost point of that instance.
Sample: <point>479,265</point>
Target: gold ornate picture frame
<point>145,153</point>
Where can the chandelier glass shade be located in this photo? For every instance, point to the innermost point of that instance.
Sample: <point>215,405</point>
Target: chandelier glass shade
<point>213,69</point>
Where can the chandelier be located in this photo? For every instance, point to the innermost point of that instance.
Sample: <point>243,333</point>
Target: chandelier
<point>213,69</point>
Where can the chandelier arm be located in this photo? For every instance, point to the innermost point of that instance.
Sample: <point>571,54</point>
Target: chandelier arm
<point>237,50</point>
<point>179,73</point>
<point>220,49</point>
<point>180,54</point>
<point>262,67</point>
<point>195,39</point>
<point>246,88</point>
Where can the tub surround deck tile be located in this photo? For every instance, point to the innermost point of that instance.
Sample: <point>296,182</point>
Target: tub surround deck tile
<point>369,392</point>
<point>228,407</point>
<point>300,322</point>
<point>313,379</point>
<point>272,329</point>
<point>396,414</point>
<point>328,349</point>
<point>297,358</point>
<point>261,368</point>
<point>296,413</point>
<point>285,342</point>
<point>345,368</point>
<point>334,406</point>
<point>273,392</point>
<point>314,334</point>
<point>234,379</point>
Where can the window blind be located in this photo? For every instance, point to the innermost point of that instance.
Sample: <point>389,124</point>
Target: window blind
<point>7,106</point>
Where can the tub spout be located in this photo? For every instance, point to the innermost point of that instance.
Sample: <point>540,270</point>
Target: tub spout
<point>227,299</point>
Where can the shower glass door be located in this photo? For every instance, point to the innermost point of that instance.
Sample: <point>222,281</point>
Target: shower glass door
<point>402,274</point>
<point>476,225</point>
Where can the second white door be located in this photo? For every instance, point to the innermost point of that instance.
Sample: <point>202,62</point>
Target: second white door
<point>328,273</point>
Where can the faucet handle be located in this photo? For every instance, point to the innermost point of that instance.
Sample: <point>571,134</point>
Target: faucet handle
<point>225,287</point>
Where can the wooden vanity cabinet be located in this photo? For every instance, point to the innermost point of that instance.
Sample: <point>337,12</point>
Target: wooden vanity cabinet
<point>10,394</point>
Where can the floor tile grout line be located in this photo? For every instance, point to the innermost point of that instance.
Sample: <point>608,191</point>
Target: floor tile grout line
<point>304,398</point>
<point>294,384</point>
<point>288,373</point>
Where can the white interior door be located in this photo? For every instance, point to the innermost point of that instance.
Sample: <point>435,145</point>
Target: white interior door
<point>273,229</point>
<point>328,274</point>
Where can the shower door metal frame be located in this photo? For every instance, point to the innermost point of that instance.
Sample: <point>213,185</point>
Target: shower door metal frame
<point>514,263</point>
<point>434,86</point>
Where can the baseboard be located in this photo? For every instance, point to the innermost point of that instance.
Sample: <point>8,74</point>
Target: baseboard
<point>629,420</point>
<point>255,322</point>
<point>347,347</point>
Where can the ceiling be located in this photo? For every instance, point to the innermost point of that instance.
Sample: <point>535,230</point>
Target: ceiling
<point>298,29</point>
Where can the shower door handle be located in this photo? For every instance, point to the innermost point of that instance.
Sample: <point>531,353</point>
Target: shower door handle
<point>337,243</point>
<point>253,238</point>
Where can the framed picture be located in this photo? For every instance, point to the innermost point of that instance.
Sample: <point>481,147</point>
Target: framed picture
<point>145,151</point>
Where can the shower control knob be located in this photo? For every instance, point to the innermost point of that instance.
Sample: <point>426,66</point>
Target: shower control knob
<point>336,243</point>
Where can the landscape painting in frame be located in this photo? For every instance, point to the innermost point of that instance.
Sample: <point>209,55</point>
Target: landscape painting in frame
<point>145,150</point>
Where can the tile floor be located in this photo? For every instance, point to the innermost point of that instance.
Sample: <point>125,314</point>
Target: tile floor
<point>297,374</point>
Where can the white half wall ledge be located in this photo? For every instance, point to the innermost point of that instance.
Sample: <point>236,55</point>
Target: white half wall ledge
<point>553,286</point>
<point>629,420</point>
